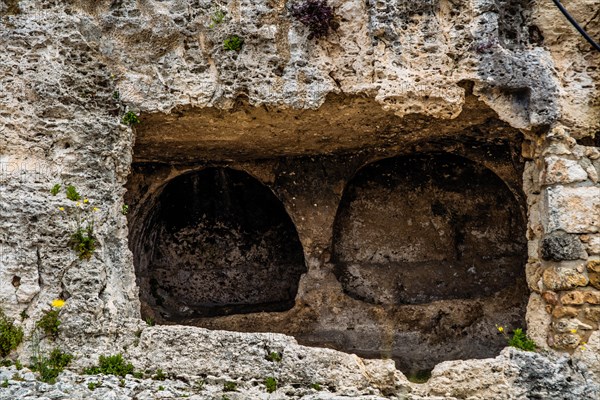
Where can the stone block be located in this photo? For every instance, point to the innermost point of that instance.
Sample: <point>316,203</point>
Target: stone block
<point>573,297</point>
<point>572,209</point>
<point>561,246</point>
<point>594,279</point>
<point>563,278</point>
<point>593,265</point>
<point>562,170</point>
<point>562,312</point>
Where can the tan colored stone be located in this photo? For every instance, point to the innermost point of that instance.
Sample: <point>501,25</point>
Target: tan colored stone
<point>594,279</point>
<point>592,297</point>
<point>562,312</point>
<point>593,265</point>
<point>533,272</point>
<point>562,278</point>
<point>566,340</point>
<point>573,297</point>
<point>550,297</point>
<point>592,313</point>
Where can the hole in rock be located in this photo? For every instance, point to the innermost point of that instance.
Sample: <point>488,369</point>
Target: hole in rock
<point>438,243</point>
<point>413,228</point>
<point>218,242</point>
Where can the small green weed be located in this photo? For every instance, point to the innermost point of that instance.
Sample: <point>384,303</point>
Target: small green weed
<point>271,384</point>
<point>17,377</point>
<point>49,323</point>
<point>519,339</point>
<point>125,209</point>
<point>159,375</point>
<point>55,189</point>
<point>216,18</point>
<point>18,365</point>
<point>161,388</point>
<point>11,336</point>
<point>94,385</point>
<point>233,43</point>
<point>274,356</point>
<point>419,376</point>
<point>229,386</point>
<point>83,242</point>
<point>72,193</point>
<point>49,368</point>
<point>130,118</point>
<point>316,387</point>
<point>111,365</point>
<point>150,321</point>
<point>4,383</point>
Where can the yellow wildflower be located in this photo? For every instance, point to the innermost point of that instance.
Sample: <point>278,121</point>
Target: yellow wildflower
<point>573,330</point>
<point>500,329</point>
<point>86,201</point>
<point>78,204</point>
<point>95,209</point>
<point>58,303</point>
<point>61,209</point>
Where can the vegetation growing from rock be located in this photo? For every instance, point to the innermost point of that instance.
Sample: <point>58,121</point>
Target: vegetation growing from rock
<point>130,118</point>
<point>11,335</point>
<point>49,323</point>
<point>316,15</point>
<point>111,365</point>
<point>271,384</point>
<point>49,367</point>
<point>233,43</point>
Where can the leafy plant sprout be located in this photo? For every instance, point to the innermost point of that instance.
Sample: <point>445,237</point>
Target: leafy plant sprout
<point>233,43</point>
<point>130,118</point>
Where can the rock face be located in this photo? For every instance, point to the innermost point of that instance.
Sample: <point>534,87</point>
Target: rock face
<point>484,112</point>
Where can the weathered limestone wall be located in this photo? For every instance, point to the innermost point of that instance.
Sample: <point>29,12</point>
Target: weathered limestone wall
<point>393,77</point>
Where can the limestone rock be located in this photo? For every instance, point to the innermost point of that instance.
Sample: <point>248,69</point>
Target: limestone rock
<point>573,209</point>
<point>563,171</point>
<point>563,277</point>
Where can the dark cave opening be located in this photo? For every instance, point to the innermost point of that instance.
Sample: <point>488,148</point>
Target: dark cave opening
<point>218,242</point>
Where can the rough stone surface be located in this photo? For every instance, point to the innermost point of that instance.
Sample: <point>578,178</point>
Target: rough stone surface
<point>470,78</point>
<point>573,209</point>
<point>560,246</point>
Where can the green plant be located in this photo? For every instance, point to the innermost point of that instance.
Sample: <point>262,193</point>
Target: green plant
<point>130,118</point>
<point>138,375</point>
<point>125,209</point>
<point>48,368</point>
<point>229,386</point>
<point>4,383</point>
<point>17,377</point>
<point>18,365</point>
<point>72,193</point>
<point>111,365</point>
<point>159,375</point>
<point>150,321</point>
<point>274,356</point>
<point>271,384</point>
<point>83,241</point>
<point>116,95</point>
<point>122,382</point>
<point>224,397</point>
<point>316,386</point>
<point>24,315</point>
<point>216,18</point>
<point>521,341</point>
<point>233,43</point>
<point>161,388</point>
<point>11,336</point>
<point>94,385</point>
<point>55,189</point>
<point>49,323</point>
<point>316,15</point>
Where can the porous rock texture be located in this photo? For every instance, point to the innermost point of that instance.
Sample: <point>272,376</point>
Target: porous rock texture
<point>395,78</point>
